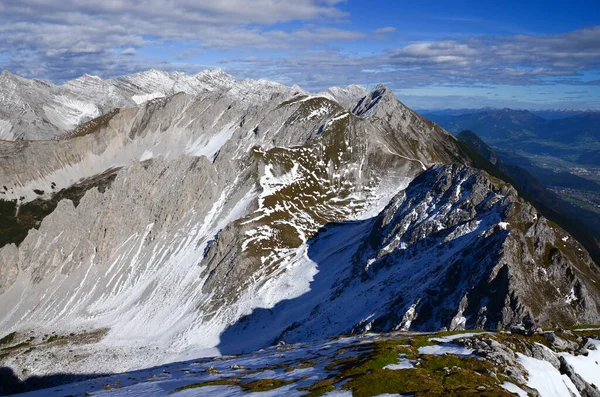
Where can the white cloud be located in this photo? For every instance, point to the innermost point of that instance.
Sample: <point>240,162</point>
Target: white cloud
<point>62,40</point>
<point>384,31</point>
<point>128,51</point>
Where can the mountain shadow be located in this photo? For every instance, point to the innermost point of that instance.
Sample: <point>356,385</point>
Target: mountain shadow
<point>265,327</point>
<point>345,297</point>
<point>11,384</point>
<point>455,250</point>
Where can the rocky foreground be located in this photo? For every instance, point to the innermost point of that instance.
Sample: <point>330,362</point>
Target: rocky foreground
<point>542,363</point>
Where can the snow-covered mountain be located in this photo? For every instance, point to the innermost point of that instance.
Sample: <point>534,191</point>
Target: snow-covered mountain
<point>39,110</point>
<point>220,216</point>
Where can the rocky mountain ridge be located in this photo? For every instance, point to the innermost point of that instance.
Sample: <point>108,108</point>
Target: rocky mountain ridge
<point>257,212</point>
<point>39,110</point>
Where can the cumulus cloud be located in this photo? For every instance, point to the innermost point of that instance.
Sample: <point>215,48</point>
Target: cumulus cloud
<point>512,60</point>
<point>291,42</point>
<point>62,38</point>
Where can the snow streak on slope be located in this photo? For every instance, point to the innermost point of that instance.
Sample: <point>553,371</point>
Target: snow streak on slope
<point>147,97</point>
<point>149,277</point>
<point>5,130</point>
<point>68,113</point>
<point>210,147</point>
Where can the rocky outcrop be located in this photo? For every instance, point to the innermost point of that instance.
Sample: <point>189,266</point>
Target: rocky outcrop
<point>511,266</point>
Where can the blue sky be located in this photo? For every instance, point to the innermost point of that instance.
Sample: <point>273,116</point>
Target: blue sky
<point>433,54</point>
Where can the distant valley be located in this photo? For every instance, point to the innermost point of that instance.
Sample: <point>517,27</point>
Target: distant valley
<point>561,149</point>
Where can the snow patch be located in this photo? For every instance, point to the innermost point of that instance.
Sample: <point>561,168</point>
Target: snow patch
<point>147,155</point>
<point>504,225</point>
<point>511,387</point>
<point>139,99</point>
<point>209,147</point>
<point>450,338</point>
<point>403,363</point>
<point>588,367</point>
<point>571,297</point>
<point>271,184</point>
<point>442,349</point>
<point>544,377</point>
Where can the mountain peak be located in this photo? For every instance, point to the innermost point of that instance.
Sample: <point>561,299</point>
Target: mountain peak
<point>346,96</point>
<point>368,105</point>
<point>8,75</point>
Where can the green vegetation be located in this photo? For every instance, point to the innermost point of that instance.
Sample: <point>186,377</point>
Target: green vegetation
<point>82,338</point>
<point>251,387</point>
<point>90,126</point>
<point>303,364</point>
<point>8,338</point>
<point>445,375</point>
<point>17,346</point>
<point>442,375</point>
<point>26,346</point>
<point>319,388</point>
<point>265,385</point>
<point>581,203</point>
<point>216,382</point>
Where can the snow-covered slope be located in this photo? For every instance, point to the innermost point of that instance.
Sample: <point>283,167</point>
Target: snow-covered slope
<point>253,212</point>
<point>39,110</point>
<point>347,96</point>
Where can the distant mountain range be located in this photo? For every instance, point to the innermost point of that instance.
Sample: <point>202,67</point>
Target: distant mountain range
<point>548,114</point>
<point>582,223</point>
<point>575,138</point>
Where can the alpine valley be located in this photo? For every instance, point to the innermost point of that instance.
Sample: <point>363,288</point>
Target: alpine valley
<point>163,217</point>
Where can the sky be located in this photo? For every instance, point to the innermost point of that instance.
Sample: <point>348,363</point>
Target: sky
<point>432,54</point>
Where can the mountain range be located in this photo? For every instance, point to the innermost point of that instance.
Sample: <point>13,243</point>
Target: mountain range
<point>162,217</point>
<point>575,138</point>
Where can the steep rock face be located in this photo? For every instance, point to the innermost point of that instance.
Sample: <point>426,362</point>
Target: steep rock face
<point>126,260</point>
<point>457,249</point>
<point>346,96</point>
<point>511,266</point>
<point>389,115</point>
<point>172,127</point>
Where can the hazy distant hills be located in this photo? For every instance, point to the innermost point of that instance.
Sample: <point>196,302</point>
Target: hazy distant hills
<point>548,114</point>
<point>575,138</point>
<point>532,182</point>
